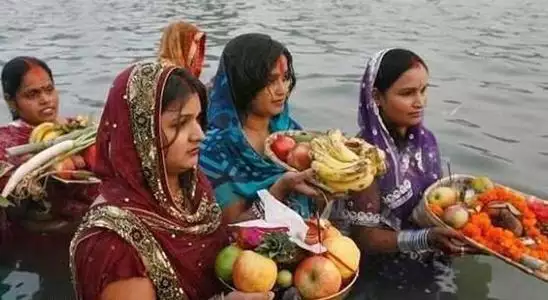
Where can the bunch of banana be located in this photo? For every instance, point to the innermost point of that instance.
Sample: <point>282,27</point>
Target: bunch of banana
<point>45,132</point>
<point>49,130</point>
<point>342,164</point>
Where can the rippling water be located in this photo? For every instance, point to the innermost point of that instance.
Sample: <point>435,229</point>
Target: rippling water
<point>488,62</point>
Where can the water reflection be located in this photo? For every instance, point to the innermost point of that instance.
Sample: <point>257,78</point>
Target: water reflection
<point>487,59</point>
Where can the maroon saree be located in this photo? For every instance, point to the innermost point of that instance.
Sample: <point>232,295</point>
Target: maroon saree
<point>68,202</point>
<point>136,228</point>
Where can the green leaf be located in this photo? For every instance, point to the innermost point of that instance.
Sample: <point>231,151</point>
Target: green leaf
<point>4,202</point>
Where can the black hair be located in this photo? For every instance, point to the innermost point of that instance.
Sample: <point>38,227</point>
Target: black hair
<point>180,85</point>
<point>248,60</point>
<point>13,73</point>
<point>394,63</point>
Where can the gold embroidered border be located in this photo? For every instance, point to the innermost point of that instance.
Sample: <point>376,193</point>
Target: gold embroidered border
<point>143,90</point>
<point>131,229</point>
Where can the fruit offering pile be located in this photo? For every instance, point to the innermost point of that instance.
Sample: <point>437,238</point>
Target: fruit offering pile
<point>48,131</point>
<point>79,166</point>
<point>496,217</point>
<point>341,164</point>
<point>264,260</point>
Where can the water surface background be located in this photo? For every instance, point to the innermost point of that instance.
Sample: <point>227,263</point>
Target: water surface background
<point>488,62</point>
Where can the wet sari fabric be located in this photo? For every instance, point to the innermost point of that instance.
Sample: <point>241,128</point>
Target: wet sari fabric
<point>413,164</point>
<point>137,229</point>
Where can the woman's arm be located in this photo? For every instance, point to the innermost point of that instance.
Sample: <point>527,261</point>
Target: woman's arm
<point>366,230</point>
<point>371,237</point>
<point>375,240</point>
<point>127,289</point>
<point>239,212</point>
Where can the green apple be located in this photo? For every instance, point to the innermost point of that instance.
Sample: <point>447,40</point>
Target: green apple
<point>225,261</point>
<point>285,279</point>
<point>481,184</point>
<point>456,216</point>
<point>443,196</point>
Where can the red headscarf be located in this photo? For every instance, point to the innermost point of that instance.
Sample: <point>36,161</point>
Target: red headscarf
<point>132,167</point>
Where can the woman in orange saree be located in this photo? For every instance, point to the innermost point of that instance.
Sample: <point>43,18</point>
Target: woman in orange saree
<point>183,45</point>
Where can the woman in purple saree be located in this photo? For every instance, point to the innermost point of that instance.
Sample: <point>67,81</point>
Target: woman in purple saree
<point>401,259</point>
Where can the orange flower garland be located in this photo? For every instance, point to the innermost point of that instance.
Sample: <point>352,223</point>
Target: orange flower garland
<point>480,229</point>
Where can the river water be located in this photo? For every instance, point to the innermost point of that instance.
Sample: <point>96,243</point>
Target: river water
<point>488,62</point>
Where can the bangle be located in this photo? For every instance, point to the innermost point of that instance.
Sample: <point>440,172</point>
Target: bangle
<point>413,240</point>
<point>257,210</point>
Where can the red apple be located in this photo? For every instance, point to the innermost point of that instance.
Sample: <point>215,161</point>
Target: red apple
<point>79,162</point>
<point>317,277</point>
<point>90,156</point>
<point>64,168</point>
<point>299,157</point>
<point>282,145</point>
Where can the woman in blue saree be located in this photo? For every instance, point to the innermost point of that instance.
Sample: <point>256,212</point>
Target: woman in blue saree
<point>248,102</point>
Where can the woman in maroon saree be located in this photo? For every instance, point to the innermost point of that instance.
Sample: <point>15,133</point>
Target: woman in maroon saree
<point>155,230</point>
<point>36,226</point>
<point>29,91</point>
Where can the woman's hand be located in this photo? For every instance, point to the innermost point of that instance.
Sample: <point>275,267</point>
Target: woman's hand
<point>294,182</point>
<point>450,242</point>
<point>249,296</point>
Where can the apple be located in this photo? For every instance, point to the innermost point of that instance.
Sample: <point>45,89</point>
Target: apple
<point>90,157</point>
<point>443,196</point>
<point>281,146</point>
<point>285,279</point>
<point>225,262</point>
<point>299,157</point>
<point>317,277</point>
<point>456,216</point>
<point>64,168</point>
<point>79,162</point>
<point>481,184</point>
<point>326,231</point>
<point>254,273</point>
<point>344,253</point>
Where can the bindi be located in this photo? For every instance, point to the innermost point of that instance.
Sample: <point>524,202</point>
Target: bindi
<point>281,65</point>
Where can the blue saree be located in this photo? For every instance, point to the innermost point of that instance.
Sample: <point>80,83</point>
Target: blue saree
<point>235,170</point>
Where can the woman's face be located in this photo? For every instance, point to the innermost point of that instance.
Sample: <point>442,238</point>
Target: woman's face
<point>404,102</point>
<point>37,100</point>
<point>270,101</point>
<point>182,134</point>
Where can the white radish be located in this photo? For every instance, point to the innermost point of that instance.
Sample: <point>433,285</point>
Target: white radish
<point>36,162</point>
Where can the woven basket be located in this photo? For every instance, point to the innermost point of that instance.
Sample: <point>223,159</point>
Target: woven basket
<point>424,217</point>
<point>338,296</point>
<point>298,136</point>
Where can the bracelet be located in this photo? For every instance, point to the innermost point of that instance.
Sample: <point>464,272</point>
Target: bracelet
<point>257,210</point>
<point>413,240</point>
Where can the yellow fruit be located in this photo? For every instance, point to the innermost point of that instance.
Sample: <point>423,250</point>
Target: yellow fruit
<point>359,184</point>
<point>343,249</point>
<point>51,135</point>
<point>254,273</point>
<point>332,232</point>
<point>39,131</point>
<point>443,196</point>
